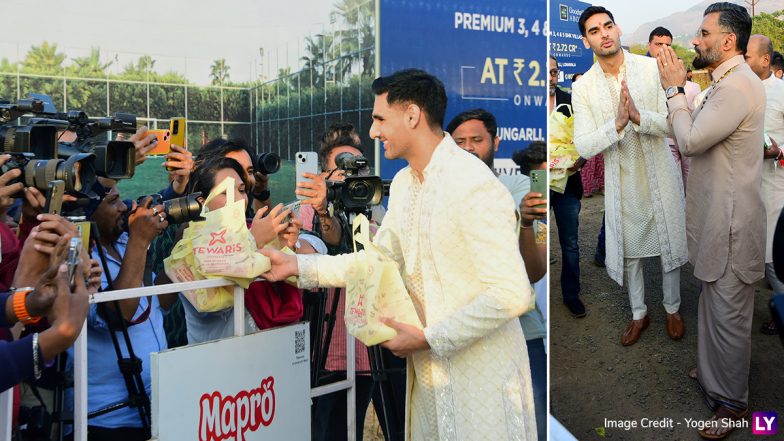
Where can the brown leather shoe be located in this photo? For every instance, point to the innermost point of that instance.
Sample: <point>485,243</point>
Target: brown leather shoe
<point>675,327</point>
<point>634,330</point>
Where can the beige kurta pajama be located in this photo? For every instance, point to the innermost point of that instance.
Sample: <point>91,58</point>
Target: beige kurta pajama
<point>725,222</point>
<point>453,237</point>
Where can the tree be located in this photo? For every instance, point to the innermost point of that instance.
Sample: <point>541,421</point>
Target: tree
<point>44,59</point>
<point>91,65</point>
<point>686,54</point>
<point>139,71</point>
<point>287,79</point>
<point>315,60</point>
<point>772,26</point>
<point>219,72</point>
<point>358,37</point>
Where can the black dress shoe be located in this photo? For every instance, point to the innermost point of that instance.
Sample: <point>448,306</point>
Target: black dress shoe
<point>576,307</point>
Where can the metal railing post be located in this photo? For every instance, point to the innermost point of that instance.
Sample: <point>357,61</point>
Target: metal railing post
<point>239,311</point>
<point>6,413</point>
<point>351,392</point>
<point>80,386</point>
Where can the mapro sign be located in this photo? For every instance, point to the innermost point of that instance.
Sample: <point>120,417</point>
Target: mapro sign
<point>255,387</point>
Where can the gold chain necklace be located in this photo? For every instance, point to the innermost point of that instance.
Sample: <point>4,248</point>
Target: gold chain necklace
<point>713,86</point>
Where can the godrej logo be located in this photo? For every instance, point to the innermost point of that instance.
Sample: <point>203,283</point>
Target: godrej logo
<point>764,423</point>
<point>229,417</point>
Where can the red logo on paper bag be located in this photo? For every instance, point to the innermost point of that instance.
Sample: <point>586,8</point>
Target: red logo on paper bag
<point>230,417</point>
<point>218,237</point>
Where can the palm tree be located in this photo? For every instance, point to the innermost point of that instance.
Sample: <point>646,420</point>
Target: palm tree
<point>219,72</point>
<point>141,70</point>
<point>357,39</point>
<point>287,79</point>
<point>44,59</point>
<point>318,52</point>
<point>91,65</point>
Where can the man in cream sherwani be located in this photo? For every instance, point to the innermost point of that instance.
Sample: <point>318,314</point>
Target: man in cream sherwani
<point>451,228</point>
<point>619,109</point>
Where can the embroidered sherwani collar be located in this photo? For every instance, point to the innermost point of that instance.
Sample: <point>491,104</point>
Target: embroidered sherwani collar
<point>438,154</point>
<point>621,69</point>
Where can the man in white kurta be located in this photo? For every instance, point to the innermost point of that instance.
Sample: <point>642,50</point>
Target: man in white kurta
<point>450,228</point>
<point>619,109</point>
<point>758,56</point>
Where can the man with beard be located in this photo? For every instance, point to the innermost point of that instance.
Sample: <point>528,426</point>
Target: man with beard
<point>566,208</point>
<point>620,111</point>
<point>451,230</point>
<point>758,55</point>
<point>724,209</point>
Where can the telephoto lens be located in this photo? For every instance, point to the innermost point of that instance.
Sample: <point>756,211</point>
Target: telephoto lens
<point>184,209</point>
<point>78,171</point>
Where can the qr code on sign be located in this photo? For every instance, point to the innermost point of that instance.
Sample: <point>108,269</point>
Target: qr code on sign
<point>299,341</point>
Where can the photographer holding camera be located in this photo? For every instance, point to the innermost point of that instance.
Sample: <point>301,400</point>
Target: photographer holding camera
<point>340,139</point>
<point>64,306</point>
<point>217,159</point>
<point>125,255</point>
<point>318,214</point>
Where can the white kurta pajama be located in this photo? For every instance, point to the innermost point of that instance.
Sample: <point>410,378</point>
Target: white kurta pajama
<point>595,110</point>
<point>453,237</point>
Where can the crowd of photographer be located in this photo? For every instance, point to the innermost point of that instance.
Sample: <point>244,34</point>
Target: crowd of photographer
<point>59,197</point>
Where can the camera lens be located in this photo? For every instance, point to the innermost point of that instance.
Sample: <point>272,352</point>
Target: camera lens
<point>78,172</point>
<point>269,163</point>
<point>184,209</point>
<point>115,159</point>
<point>359,191</point>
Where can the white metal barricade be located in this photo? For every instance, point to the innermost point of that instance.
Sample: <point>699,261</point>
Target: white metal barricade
<point>80,358</point>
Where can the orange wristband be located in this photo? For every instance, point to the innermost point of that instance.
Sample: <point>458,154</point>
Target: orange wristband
<point>20,309</point>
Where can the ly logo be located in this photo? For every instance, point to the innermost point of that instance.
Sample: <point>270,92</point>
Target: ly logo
<point>764,423</point>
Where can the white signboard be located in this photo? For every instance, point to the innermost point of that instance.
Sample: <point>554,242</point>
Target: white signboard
<point>255,387</point>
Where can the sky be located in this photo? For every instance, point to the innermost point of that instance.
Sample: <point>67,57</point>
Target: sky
<point>183,35</point>
<point>187,35</point>
<point>631,14</point>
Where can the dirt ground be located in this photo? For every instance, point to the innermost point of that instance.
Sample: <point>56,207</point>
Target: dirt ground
<point>593,377</point>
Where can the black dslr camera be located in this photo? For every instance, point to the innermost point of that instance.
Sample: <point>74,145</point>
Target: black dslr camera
<point>178,210</point>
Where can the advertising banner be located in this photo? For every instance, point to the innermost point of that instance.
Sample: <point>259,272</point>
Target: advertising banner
<point>255,387</point>
<point>491,55</point>
<point>566,43</point>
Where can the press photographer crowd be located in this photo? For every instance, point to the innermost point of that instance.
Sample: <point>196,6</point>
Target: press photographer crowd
<point>457,251</point>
